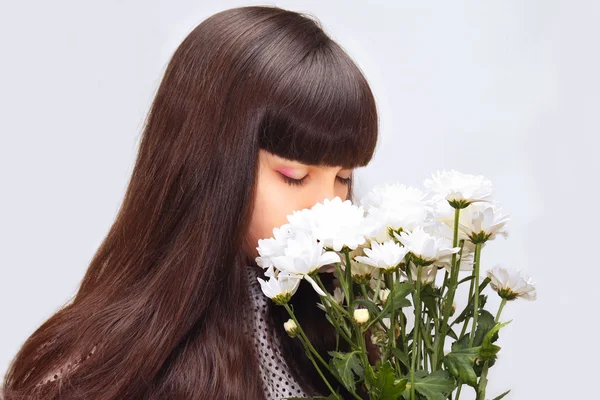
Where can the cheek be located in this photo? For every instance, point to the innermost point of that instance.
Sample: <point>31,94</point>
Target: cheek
<point>274,201</point>
<point>341,191</point>
<point>270,212</point>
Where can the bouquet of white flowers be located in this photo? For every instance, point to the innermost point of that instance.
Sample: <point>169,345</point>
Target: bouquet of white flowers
<point>388,256</point>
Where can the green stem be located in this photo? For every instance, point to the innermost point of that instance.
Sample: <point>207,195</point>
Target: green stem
<point>502,304</point>
<point>418,353</point>
<point>350,298</point>
<point>466,322</point>
<point>306,343</point>
<point>356,328</point>
<point>340,329</point>
<point>312,359</point>
<point>403,331</point>
<point>379,273</point>
<point>389,282</point>
<point>363,355</point>
<point>417,300</point>
<point>363,290</point>
<point>342,280</point>
<point>445,284</point>
<point>476,294</point>
<point>426,344</point>
<point>447,304</point>
<point>329,297</point>
<point>482,381</point>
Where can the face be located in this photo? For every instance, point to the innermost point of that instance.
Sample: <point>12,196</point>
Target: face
<point>285,186</point>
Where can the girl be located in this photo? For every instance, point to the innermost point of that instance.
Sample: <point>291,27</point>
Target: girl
<point>259,113</point>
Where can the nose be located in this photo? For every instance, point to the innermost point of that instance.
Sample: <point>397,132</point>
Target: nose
<point>329,196</point>
<point>327,191</point>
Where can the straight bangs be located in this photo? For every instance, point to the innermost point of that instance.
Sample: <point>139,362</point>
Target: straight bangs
<point>322,111</point>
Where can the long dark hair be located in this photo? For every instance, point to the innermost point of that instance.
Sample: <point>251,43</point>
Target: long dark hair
<point>153,299</point>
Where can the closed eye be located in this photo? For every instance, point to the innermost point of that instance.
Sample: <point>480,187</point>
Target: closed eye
<point>300,182</point>
<point>345,181</point>
<point>292,181</point>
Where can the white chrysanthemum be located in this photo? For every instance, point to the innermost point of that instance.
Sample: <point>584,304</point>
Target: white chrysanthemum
<point>480,221</point>
<point>457,188</point>
<point>428,273</point>
<point>279,287</point>
<point>511,284</point>
<point>386,256</point>
<point>304,255</point>
<point>335,223</point>
<point>426,248</point>
<point>380,231</point>
<point>273,246</point>
<point>396,206</point>
<point>465,260</point>
<point>361,273</point>
<point>483,221</point>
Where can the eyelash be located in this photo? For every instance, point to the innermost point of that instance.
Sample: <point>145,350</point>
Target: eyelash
<point>300,182</point>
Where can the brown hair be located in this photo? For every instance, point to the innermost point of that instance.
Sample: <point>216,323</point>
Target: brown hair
<point>154,296</point>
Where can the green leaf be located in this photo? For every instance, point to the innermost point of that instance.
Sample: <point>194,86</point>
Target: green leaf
<point>461,343</point>
<point>484,283</point>
<point>398,294</point>
<point>435,386</point>
<point>425,333</point>
<point>346,364</point>
<point>386,386</point>
<point>460,364</point>
<point>478,366</point>
<point>468,310</point>
<point>485,322</point>
<point>488,349</point>
<point>403,358</point>
<point>452,334</point>
<point>468,278</point>
<point>429,298</point>
<point>501,396</point>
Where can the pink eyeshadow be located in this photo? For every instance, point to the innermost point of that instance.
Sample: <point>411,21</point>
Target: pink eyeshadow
<point>287,171</point>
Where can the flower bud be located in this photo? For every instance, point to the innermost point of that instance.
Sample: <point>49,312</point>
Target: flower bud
<point>453,310</point>
<point>290,327</point>
<point>383,295</point>
<point>361,316</point>
<point>338,295</point>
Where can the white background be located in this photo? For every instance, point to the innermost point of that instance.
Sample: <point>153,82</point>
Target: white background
<point>507,89</point>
